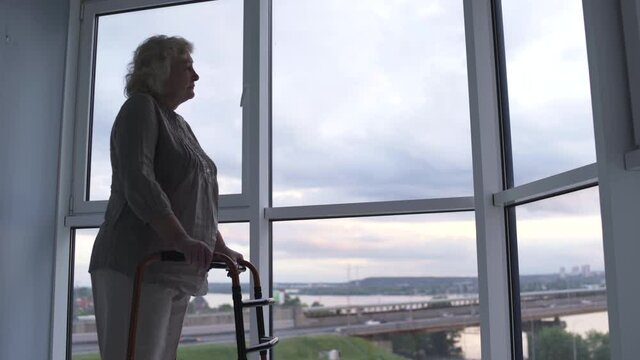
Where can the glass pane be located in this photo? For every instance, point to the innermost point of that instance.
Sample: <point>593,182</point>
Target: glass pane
<point>215,29</point>
<point>373,107</point>
<point>562,278</point>
<point>209,321</point>
<point>396,286</point>
<point>549,92</point>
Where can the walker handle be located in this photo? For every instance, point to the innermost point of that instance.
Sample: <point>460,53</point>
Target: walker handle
<point>216,262</point>
<point>173,256</point>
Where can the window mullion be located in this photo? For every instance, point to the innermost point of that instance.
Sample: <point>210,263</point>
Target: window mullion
<point>256,115</point>
<point>493,267</point>
<point>613,119</point>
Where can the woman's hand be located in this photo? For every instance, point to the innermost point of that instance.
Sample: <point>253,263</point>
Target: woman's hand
<point>195,252</point>
<point>234,255</point>
<point>222,248</point>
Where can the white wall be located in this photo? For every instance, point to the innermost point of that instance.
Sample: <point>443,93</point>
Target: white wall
<point>32,53</point>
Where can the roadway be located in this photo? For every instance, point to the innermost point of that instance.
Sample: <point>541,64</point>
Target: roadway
<point>356,320</point>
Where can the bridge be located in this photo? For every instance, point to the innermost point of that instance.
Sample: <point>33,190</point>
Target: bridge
<point>444,315</point>
<point>370,320</point>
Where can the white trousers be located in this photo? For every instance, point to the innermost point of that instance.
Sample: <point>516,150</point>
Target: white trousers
<point>160,317</point>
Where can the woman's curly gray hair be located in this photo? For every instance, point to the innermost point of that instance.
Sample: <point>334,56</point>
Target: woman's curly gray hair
<point>151,64</point>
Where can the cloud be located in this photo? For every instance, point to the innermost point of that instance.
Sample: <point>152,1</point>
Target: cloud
<point>376,107</point>
<point>549,89</point>
<point>83,244</point>
<point>563,231</point>
<point>582,203</point>
<point>410,245</point>
<point>380,102</point>
<point>373,105</point>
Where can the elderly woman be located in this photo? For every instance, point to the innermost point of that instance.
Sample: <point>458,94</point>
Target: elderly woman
<point>164,196</point>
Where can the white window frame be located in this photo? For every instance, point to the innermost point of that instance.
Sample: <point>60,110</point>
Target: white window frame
<point>488,175</point>
<point>78,212</point>
<point>613,49</point>
<point>493,197</point>
<point>89,210</point>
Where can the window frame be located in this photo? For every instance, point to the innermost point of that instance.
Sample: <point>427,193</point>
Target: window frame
<point>78,211</point>
<point>492,199</point>
<point>80,205</point>
<point>495,193</point>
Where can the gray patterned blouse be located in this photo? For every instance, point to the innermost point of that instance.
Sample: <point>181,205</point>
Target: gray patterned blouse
<point>158,168</point>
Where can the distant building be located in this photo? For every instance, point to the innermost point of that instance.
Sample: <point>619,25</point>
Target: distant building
<point>586,270</point>
<point>575,270</point>
<point>563,272</point>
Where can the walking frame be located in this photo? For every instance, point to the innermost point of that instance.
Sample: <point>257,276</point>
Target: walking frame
<point>221,261</point>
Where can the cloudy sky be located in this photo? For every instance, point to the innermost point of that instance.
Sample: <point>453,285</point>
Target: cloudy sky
<point>370,103</point>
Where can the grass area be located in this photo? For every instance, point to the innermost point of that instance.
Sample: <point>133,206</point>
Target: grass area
<point>300,348</point>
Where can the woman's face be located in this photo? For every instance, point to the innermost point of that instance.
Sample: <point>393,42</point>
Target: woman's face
<point>179,86</point>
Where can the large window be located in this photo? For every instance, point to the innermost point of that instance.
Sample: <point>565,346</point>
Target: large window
<point>373,107</point>
<point>342,133</point>
<point>368,113</point>
<point>371,277</point>
<point>562,282</point>
<point>109,33</point>
<point>215,28</point>
<point>556,248</point>
<point>209,318</point>
<point>548,85</point>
